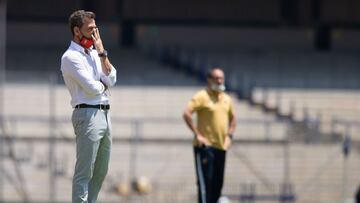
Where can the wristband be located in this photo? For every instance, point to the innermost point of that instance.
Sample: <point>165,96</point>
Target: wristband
<point>231,136</point>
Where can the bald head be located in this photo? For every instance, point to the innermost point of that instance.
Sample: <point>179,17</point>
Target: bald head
<point>216,74</point>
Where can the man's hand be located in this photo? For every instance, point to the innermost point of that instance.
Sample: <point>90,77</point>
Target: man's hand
<point>189,121</point>
<point>227,142</point>
<point>202,139</point>
<point>105,63</point>
<point>97,41</point>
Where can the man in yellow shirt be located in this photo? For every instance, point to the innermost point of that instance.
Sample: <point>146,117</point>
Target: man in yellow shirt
<point>212,135</point>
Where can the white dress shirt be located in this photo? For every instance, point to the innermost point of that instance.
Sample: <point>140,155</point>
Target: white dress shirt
<point>82,73</point>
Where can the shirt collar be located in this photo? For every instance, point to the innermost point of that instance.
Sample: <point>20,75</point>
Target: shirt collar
<point>78,47</point>
<point>218,96</point>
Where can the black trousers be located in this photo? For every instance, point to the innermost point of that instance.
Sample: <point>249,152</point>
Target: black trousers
<point>209,165</point>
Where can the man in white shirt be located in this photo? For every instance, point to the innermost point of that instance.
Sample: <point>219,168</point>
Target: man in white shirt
<point>88,73</point>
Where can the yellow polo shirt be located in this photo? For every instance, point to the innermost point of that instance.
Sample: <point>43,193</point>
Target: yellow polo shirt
<point>213,115</point>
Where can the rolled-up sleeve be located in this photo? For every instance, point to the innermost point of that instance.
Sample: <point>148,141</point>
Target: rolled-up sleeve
<point>110,79</point>
<point>73,68</point>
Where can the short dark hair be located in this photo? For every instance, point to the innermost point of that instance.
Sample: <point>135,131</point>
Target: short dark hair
<point>76,19</point>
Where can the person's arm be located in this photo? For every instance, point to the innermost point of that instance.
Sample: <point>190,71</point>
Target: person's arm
<point>108,76</point>
<point>72,67</point>
<point>106,66</point>
<point>231,127</point>
<point>189,122</point>
<point>231,130</point>
<point>109,80</point>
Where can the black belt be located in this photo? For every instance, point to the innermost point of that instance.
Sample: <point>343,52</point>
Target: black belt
<point>97,106</point>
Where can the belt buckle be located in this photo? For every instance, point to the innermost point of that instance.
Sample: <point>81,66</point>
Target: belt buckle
<point>102,107</point>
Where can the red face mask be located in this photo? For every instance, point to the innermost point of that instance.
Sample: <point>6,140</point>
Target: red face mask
<point>86,43</point>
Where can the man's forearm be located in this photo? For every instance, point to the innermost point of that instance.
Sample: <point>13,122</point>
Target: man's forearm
<point>106,66</point>
<point>189,122</point>
<point>232,126</point>
<point>191,125</point>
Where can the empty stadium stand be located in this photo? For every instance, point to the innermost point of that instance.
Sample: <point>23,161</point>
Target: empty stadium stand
<point>291,68</point>
<point>146,107</point>
<point>150,138</point>
<point>308,87</point>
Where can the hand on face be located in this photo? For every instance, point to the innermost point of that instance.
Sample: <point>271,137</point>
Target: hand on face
<point>97,40</point>
<point>90,32</point>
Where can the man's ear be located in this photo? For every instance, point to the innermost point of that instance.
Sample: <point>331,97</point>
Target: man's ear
<point>77,31</point>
